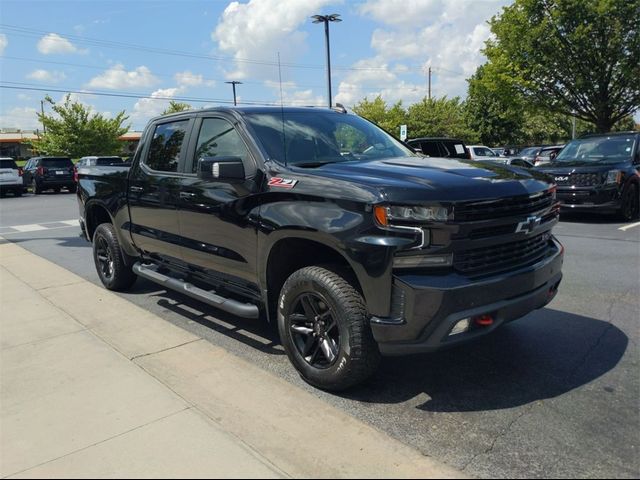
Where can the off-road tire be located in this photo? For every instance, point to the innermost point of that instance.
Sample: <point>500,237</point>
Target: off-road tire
<point>357,355</point>
<point>108,257</point>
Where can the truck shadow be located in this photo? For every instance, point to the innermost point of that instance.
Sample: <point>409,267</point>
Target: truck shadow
<point>542,356</point>
<point>257,334</point>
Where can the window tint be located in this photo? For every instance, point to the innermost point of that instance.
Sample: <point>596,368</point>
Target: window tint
<point>57,162</point>
<point>431,149</point>
<point>218,138</point>
<point>166,145</point>
<point>8,164</point>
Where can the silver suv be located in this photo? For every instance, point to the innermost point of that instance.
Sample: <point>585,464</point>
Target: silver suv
<point>10,177</point>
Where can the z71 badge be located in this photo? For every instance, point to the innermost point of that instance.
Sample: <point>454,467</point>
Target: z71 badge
<point>282,182</point>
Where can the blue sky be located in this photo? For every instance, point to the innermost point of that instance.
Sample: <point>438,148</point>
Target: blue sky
<point>188,49</point>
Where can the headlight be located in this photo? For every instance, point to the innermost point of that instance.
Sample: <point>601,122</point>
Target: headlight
<point>410,214</point>
<point>613,177</point>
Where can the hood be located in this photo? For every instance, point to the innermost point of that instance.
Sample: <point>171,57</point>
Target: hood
<point>421,179</point>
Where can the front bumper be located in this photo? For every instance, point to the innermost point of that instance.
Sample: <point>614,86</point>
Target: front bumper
<point>601,198</point>
<point>430,306</point>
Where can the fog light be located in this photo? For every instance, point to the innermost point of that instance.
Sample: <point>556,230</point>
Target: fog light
<point>461,327</point>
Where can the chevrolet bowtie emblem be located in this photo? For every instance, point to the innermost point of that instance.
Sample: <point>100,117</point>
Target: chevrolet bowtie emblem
<point>529,225</point>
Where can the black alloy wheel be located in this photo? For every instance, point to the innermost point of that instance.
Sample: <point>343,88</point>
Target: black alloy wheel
<point>104,258</point>
<point>315,330</point>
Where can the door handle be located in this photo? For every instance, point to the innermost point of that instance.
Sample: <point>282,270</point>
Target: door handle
<point>136,189</point>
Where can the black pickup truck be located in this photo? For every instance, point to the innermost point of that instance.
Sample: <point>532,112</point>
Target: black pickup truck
<point>318,220</point>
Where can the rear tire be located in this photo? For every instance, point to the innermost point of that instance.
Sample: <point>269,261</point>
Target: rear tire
<point>324,328</point>
<point>114,273</point>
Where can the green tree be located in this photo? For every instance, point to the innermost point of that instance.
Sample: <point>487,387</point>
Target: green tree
<point>578,57</point>
<point>75,131</point>
<point>378,112</point>
<point>175,107</point>
<point>439,117</point>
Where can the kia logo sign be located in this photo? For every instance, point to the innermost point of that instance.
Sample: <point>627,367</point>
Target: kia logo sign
<point>562,179</point>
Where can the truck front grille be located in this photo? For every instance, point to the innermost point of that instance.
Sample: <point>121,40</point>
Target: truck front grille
<point>580,179</point>
<point>507,256</point>
<point>506,207</point>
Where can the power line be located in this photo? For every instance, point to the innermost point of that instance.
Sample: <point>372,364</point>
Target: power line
<point>167,75</point>
<point>28,87</point>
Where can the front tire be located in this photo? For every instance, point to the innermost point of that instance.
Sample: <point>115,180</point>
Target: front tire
<point>324,328</point>
<point>630,208</point>
<point>114,273</point>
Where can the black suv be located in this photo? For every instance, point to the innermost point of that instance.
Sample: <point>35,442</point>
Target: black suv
<point>440,147</point>
<point>44,173</point>
<point>599,173</point>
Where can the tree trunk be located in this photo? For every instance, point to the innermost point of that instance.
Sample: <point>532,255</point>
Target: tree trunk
<point>604,124</point>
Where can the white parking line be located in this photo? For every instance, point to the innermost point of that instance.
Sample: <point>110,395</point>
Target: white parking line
<point>629,227</point>
<point>38,227</point>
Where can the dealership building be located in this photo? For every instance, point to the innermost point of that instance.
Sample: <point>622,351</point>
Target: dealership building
<point>16,143</point>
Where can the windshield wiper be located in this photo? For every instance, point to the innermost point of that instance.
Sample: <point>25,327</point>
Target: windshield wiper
<point>314,164</point>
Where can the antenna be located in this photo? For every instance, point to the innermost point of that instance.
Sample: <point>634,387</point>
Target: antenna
<point>284,142</point>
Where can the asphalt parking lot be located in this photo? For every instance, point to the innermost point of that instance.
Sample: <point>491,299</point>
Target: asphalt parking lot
<point>555,394</point>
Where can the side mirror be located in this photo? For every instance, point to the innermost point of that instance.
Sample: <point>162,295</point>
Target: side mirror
<point>223,169</point>
<point>553,155</point>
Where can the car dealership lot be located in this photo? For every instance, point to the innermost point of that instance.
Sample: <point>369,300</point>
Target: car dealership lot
<point>553,394</point>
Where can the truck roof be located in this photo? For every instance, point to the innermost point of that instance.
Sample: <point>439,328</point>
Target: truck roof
<point>258,109</point>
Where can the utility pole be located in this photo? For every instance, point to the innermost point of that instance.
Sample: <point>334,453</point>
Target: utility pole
<point>429,82</point>
<point>44,128</point>
<point>233,84</point>
<point>573,129</point>
<point>334,17</point>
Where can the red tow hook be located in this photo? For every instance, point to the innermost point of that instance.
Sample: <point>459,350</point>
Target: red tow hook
<point>483,320</point>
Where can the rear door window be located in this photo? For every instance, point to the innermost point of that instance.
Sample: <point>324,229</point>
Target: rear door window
<point>167,146</point>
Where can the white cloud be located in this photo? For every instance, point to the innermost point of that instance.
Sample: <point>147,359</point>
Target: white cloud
<point>293,95</point>
<point>54,43</point>
<point>446,35</point>
<point>189,79</point>
<point>3,43</point>
<point>147,108</point>
<point>372,77</point>
<point>41,75</point>
<point>117,77</point>
<point>23,118</point>
<point>24,97</point>
<point>257,30</point>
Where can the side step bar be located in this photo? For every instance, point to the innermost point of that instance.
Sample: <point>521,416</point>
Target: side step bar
<point>148,271</point>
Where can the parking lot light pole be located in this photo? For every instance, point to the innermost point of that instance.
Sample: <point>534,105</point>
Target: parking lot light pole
<point>233,84</point>
<point>334,17</point>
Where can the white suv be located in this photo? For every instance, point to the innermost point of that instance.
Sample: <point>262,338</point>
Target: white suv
<point>10,177</point>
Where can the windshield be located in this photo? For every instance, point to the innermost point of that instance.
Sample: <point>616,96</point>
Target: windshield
<point>529,151</point>
<point>614,149</point>
<point>8,164</point>
<point>317,138</point>
<point>56,162</point>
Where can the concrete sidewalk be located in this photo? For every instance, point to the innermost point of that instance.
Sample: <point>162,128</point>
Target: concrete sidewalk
<point>94,386</point>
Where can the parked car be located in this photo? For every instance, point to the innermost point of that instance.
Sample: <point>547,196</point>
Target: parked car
<point>11,179</point>
<point>599,173</point>
<point>45,173</point>
<point>530,153</point>
<point>440,147</point>
<point>280,211</point>
<point>547,154</point>
<point>92,161</point>
<point>480,152</point>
